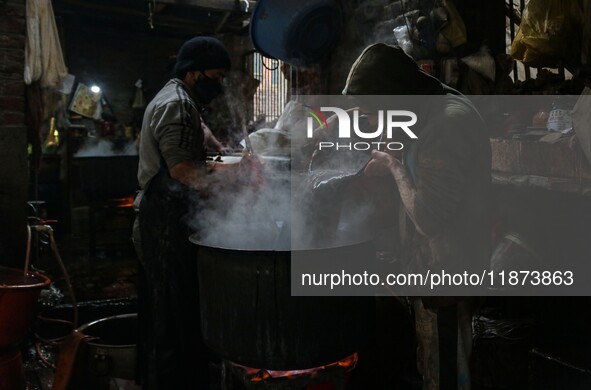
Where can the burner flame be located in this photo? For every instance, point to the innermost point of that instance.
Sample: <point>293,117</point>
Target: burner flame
<point>260,374</point>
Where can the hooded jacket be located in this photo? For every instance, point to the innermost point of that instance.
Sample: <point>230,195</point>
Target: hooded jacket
<point>450,164</point>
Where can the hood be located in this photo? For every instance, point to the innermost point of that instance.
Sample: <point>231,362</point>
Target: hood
<point>387,70</point>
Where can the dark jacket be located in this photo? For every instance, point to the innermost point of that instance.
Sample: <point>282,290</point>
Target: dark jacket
<point>450,164</point>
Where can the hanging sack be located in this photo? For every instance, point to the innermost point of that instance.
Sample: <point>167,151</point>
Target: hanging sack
<point>549,34</point>
<point>453,33</point>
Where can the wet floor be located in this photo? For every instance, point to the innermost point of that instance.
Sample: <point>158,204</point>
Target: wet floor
<point>102,265</point>
<point>106,269</point>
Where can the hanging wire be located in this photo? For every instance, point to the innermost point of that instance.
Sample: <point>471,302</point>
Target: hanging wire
<point>151,6</point>
<point>277,62</point>
<point>272,93</point>
<point>513,32</point>
<point>502,328</point>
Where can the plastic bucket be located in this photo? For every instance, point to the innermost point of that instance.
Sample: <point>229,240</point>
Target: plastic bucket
<point>297,32</point>
<point>11,371</point>
<point>18,297</point>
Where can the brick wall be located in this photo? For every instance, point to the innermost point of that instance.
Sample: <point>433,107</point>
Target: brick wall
<point>13,138</point>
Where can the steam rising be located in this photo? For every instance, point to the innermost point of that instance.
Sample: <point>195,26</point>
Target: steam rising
<point>94,147</point>
<point>318,201</point>
<point>290,211</point>
<point>230,113</point>
<point>245,217</point>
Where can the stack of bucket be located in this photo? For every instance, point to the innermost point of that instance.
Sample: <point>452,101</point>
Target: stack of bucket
<point>18,296</point>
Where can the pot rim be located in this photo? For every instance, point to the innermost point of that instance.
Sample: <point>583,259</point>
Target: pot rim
<point>114,156</point>
<point>193,238</point>
<point>44,282</point>
<point>83,327</point>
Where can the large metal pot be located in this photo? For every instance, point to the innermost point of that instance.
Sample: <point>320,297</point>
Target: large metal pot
<point>249,316</point>
<point>113,353</point>
<point>18,296</point>
<point>232,161</point>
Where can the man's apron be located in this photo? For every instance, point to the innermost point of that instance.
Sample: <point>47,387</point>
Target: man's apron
<point>171,353</point>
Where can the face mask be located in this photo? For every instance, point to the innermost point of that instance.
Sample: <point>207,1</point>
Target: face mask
<point>206,89</point>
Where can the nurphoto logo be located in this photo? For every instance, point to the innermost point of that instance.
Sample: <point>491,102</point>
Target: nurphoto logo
<point>386,119</point>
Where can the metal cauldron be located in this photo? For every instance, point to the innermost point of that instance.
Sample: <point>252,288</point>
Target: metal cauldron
<point>113,353</point>
<point>232,161</point>
<point>249,316</point>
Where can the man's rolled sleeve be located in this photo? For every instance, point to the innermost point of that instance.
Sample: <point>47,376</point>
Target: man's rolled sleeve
<point>175,132</point>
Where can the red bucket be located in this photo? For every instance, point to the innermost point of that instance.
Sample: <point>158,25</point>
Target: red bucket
<point>18,296</point>
<point>11,371</point>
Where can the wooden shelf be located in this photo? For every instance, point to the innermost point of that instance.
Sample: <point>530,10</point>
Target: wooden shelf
<point>559,184</point>
<point>532,164</point>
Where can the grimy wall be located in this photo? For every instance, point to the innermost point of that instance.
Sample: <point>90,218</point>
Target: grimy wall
<point>13,134</point>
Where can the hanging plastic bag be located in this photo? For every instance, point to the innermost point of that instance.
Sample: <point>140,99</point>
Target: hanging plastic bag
<point>482,63</point>
<point>453,33</point>
<point>549,34</point>
<point>403,38</point>
<point>586,33</point>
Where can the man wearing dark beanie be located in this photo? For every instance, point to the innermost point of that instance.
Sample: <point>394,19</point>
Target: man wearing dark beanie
<point>173,177</point>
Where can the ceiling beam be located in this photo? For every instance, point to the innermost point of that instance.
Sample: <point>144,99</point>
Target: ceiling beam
<point>159,8</point>
<point>159,20</point>
<point>217,5</point>
<point>222,21</point>
<point>105,8</point>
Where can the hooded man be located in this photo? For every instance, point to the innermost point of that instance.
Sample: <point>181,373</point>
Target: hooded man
<point>443,179</point>
<point>173,177</point>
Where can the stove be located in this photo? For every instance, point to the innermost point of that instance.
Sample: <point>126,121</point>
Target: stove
<point>332,376</point>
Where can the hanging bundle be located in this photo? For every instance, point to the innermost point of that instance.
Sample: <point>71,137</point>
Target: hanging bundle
<point>44,60</point>
<point>453,32</point>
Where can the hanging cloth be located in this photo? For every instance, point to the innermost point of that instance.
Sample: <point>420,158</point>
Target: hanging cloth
<point>44,60</point>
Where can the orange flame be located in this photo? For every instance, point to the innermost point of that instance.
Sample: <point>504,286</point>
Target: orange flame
<point>259,375</point>
<point>124,202</point>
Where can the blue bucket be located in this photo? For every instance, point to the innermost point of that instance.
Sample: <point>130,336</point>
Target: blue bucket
<point>297,32</point>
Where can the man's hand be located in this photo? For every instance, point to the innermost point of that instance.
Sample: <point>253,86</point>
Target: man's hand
<point>188,173</point>
<point>223,149</point>
<point>381,164</point>
<point>384,162</point>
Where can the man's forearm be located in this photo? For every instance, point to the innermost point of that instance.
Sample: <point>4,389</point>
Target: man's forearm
<point>190,175</point>
<point>408,192</point>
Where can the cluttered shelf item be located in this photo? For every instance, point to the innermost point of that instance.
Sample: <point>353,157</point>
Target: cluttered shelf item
<point>542,165</point>
<point>545,147</point>
<point>101,161</point>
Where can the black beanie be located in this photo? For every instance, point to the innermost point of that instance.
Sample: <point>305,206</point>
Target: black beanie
<point>387,70</point>
<point>201,53</point>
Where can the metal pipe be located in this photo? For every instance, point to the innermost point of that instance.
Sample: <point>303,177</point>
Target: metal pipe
<point>28,253</point>
<point>512,30</point>
<point>49,231</point>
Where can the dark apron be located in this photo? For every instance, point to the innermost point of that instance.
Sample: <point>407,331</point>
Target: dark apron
<point>171,352</point>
